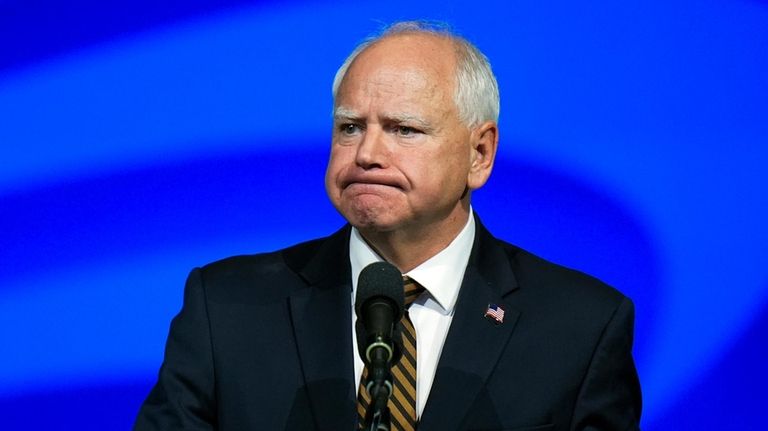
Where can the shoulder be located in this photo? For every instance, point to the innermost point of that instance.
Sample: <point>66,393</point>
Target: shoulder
<point>569,306</point>
<point>274,274</point>
<point>250,266</point>
<point>548,287</point>
<point>538,273</point>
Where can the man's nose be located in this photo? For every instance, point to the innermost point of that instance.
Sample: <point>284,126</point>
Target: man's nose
<point>373,150</point>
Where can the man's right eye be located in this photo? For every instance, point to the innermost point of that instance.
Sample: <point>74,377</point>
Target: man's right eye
<point>349,128</point>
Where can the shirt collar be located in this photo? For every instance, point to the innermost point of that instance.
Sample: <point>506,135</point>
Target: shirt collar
<point>441,275</point>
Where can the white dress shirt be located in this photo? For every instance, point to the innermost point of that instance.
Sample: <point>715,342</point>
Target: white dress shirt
<point>432,312</point>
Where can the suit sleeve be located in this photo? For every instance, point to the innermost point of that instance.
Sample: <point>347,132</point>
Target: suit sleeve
<point>183,397</point>
<point>609,398</point>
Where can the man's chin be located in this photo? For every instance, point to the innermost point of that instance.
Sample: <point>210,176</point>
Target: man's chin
<point>369,215</point>
<point>371,221</point>
<point>368,225</point>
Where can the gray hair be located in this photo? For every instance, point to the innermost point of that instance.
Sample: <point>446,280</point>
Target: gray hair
<point>476,94</point>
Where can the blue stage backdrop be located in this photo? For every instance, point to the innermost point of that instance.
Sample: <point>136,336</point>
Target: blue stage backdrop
<point>140,140</point>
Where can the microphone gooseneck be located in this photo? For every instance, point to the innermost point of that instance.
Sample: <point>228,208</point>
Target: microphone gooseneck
<point>379,306</point>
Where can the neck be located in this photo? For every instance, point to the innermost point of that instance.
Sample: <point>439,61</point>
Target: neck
<point>408,248</point>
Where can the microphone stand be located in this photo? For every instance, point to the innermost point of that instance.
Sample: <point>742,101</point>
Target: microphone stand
<point>379,386</point>
<point>377,417</point>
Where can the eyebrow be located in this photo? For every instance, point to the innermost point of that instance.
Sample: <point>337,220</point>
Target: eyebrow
<point>343,113</point>
<point>407,118</point>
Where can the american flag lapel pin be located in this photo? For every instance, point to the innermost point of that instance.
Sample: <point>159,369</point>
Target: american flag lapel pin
<point>495,312</point>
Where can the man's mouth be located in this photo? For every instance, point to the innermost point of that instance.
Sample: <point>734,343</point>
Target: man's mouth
<point>367,181</point>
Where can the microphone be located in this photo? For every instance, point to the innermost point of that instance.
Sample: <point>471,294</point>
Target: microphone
<point>379,307</point>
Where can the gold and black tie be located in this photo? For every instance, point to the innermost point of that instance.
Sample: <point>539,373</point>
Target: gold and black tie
<point>402,403</point>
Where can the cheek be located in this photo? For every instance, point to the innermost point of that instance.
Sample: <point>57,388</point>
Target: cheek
<point>342,153</point>
<point>331,173</point>
<point>337,162</point>
<point>449,174</point>
<point>453,162</point>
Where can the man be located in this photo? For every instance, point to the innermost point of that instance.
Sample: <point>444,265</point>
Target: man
<point>504,340</point>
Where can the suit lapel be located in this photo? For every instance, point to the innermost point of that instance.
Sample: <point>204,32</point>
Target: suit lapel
<point>321,316</point>
<point>474,342</point>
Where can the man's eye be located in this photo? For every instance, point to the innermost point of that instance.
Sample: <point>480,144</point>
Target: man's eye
<point>405,131</point>
<point>349,128</point>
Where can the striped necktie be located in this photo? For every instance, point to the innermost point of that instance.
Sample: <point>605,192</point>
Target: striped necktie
<point>402,403</point>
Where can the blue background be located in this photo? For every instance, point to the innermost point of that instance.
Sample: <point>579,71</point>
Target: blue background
<point>140,140</point>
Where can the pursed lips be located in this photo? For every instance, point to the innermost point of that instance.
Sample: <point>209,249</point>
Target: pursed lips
<point>372,181</point>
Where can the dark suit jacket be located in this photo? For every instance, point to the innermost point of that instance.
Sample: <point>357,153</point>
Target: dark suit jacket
<point>264,342</point>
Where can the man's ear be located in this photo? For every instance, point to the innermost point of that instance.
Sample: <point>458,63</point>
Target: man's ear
<point>484,140</point>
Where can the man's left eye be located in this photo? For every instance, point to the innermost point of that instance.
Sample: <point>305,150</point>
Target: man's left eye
<point>405,131</point>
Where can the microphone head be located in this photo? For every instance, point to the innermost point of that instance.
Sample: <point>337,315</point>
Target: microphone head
<point>380,281</point>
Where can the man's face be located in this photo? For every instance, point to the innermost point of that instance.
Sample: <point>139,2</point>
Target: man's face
<point>400,156</point>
